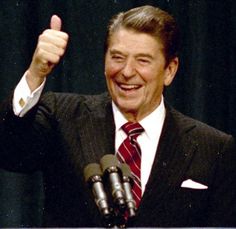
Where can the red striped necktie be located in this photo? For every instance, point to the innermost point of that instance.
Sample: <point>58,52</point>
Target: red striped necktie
<point>129,152</point>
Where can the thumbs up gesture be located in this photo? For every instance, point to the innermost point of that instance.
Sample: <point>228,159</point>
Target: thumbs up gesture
<point>55,23</point>
<point>50,48</point>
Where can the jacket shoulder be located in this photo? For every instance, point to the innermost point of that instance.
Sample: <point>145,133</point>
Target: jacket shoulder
<point>198,128</point>
<point>70,103</point>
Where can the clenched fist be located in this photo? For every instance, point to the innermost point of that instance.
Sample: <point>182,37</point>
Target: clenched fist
<point>50,48</point>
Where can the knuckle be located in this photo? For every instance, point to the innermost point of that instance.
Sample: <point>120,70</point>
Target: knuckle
<point>57,59</point>
<point>41,36</point>
<point>46,31</point>
<point>63,44</point>
<point>62,51</point>
<point>66,37</point>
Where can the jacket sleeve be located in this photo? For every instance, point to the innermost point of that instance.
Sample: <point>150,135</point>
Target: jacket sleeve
<point>24,141</point>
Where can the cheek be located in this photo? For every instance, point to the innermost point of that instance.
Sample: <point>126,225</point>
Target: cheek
<point>112,69</point>
<point>154,83</point>
<point>147,75</point>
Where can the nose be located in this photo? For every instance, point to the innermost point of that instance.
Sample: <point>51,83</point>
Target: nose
<point>128,70</point>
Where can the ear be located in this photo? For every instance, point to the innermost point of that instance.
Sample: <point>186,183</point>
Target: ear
<point>171,70</point>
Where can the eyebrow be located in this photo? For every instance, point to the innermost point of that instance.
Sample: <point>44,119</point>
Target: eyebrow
<point>144,55</point>
<point>115,51</point>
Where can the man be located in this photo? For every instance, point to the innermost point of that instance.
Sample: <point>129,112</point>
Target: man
<point>188,168</point>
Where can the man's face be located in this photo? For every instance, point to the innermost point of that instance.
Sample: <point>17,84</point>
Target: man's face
<point>135,73</point>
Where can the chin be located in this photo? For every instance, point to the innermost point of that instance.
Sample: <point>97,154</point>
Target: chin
<point>127,107</point>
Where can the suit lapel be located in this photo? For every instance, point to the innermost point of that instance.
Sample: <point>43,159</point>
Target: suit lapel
<point>172,159</point>
<point>96,131</point>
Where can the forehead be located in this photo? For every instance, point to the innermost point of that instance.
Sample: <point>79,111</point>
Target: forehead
<point>131,41</point>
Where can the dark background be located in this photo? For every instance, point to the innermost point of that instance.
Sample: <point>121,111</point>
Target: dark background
<point>204,87</point>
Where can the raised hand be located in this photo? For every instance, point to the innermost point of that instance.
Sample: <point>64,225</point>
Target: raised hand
<point>50,48</point>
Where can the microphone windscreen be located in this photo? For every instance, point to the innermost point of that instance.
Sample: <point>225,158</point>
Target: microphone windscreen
<point>108,160</point>
<point>92,169</point>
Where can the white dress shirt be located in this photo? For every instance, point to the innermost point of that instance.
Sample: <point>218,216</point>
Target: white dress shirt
<point>24,100</point>
<point>148,140</point>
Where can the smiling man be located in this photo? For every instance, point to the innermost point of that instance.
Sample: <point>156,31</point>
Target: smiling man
<point>136,72</point>
<point>183,170</point>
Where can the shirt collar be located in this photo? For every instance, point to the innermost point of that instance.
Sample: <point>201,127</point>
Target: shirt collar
<point>157,117</point>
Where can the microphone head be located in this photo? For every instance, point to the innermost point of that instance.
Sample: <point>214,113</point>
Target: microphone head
<point>126,173</point>
<point>109,161</point>
<point>91,170</point>
<point>125,170</point>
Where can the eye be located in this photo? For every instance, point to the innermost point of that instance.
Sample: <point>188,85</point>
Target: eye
<point>117,58</point>
<point>143,61</point>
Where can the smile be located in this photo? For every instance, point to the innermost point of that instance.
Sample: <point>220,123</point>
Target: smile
<point>129,87</point>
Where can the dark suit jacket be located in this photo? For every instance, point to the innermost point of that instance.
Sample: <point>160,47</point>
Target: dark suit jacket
<point>65,132</point>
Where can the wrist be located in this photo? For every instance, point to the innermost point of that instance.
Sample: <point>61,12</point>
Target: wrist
<point>33,80</point>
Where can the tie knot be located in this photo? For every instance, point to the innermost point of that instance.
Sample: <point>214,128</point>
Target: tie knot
<point>132,129</point>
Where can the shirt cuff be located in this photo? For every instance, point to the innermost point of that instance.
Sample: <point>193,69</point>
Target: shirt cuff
<point>23,98</point>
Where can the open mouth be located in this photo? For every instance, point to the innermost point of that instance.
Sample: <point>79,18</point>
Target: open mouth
<point>129,87</point>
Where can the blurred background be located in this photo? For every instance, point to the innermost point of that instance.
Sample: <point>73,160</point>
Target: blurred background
<point>204,87</point>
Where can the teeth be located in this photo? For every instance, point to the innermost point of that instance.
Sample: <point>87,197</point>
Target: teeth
<point>129,86</point>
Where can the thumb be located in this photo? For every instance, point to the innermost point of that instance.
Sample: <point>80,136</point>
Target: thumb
<point>55,23</point>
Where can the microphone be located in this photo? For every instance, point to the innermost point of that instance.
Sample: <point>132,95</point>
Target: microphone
<point>127,184</point>
<point>111,169</point>
<point>93,176</point>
